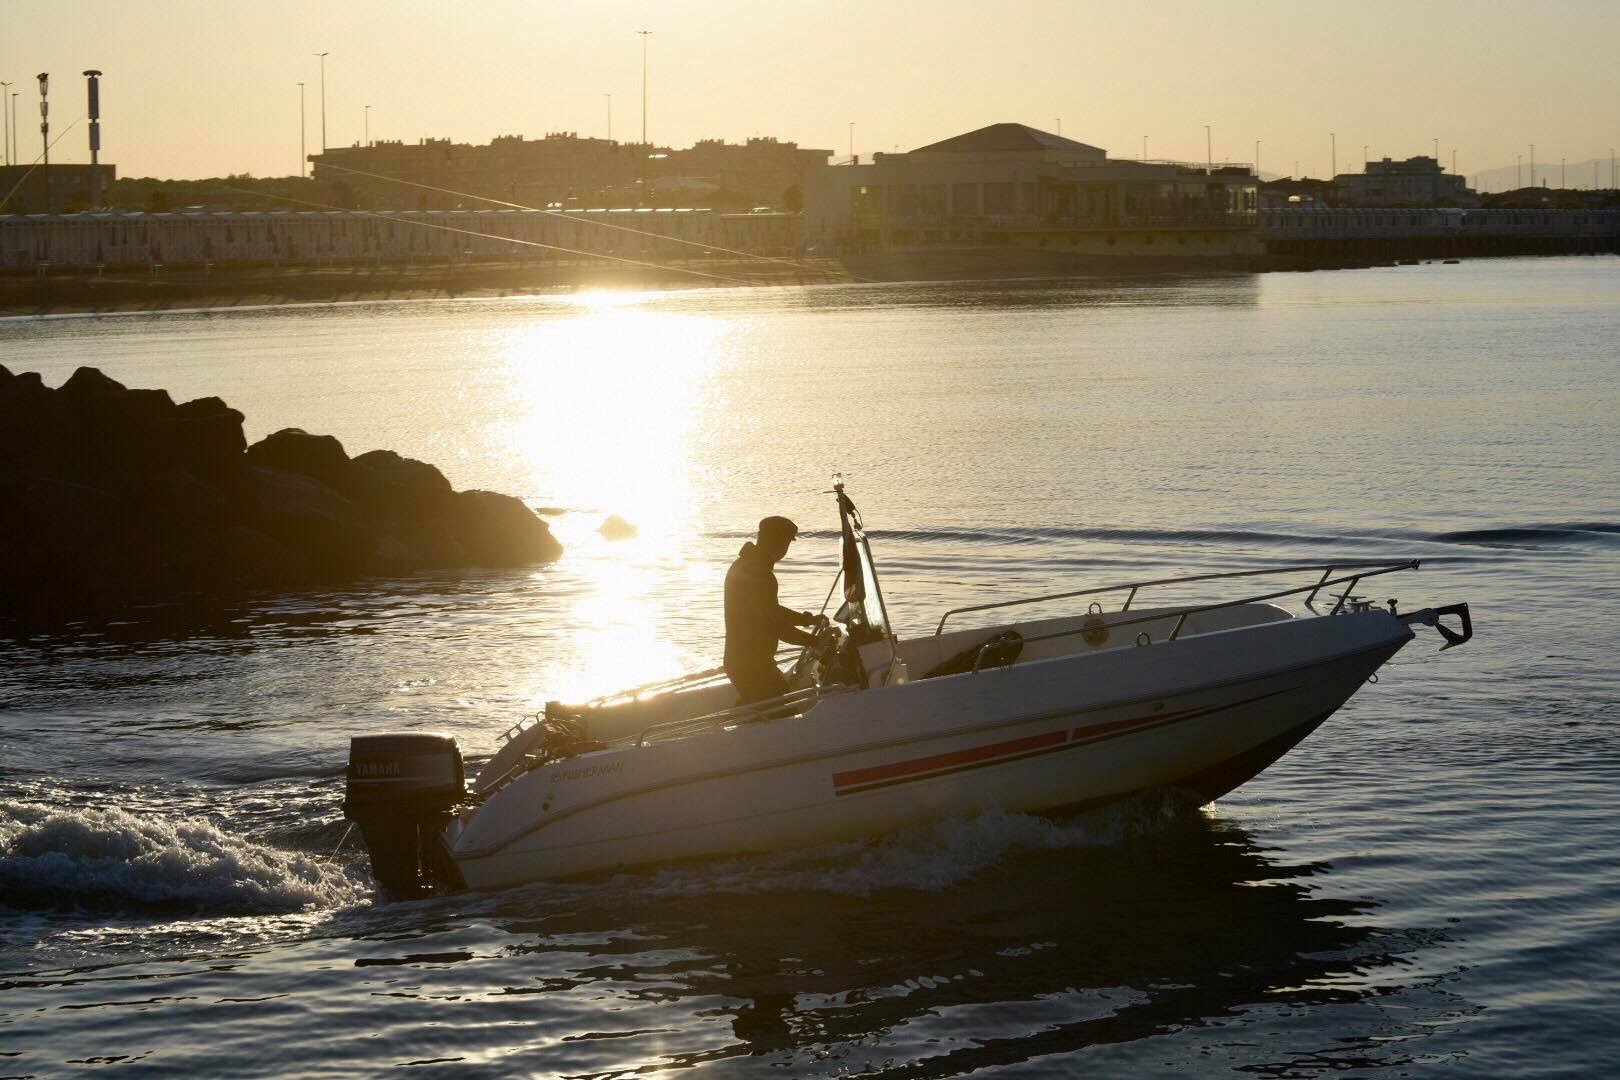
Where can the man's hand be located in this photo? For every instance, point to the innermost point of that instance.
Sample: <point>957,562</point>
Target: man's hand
<point>805,619</point>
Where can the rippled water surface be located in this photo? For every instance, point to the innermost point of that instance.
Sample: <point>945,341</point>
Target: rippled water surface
<point>1428,885</point>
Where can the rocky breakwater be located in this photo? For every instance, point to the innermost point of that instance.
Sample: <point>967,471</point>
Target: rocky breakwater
<point>109,494</point>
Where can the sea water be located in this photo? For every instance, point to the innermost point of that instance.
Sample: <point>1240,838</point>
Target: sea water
<point>1427,885</point>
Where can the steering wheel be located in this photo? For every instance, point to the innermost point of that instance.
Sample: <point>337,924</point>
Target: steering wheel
<point>813,653</point>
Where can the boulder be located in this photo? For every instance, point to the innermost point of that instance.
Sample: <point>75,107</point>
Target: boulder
<point>399,486</point>
<point>499,530</point>
<point>247,556</point>
<point>208,438</point>
<point>309,517</point>
<point>89,382</point>
<point>614,527</point>
<point>294,450</point>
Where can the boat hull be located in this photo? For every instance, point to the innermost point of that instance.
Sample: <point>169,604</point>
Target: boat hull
<point>1204,714</point>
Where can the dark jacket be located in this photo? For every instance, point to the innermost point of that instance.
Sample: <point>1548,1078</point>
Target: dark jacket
<point>755,622</point>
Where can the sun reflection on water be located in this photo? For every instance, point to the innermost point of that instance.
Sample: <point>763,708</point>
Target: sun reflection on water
<point>608,403</point>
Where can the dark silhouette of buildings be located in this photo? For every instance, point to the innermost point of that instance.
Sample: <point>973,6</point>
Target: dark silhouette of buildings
<point>566,171</point>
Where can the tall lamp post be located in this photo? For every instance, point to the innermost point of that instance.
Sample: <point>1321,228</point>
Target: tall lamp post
<point>645,34</point>
<point>610,116</point>
<point>852,142</point>
<point>1209,151</point>
<point>1257,159</point>
<point>1144,148</point>
<point>15,94</point>
<point>303,152</point>
<point>323,100</point>
<point>1333,158</point>
<point>5,95</point>
<point>365,126</point>
<point>93,78</point>
<point>45,131</point>
<point>1532,164</point>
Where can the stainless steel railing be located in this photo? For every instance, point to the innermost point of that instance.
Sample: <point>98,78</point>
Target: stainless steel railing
<point>1134,586</point>
<point>1181,614</point>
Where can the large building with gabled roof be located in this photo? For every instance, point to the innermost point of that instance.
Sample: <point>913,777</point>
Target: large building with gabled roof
<point>1010,185</point>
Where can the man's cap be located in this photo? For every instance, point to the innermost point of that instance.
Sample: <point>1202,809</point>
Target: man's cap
<point>777,528</point>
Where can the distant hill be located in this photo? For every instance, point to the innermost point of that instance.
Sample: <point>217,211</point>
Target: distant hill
<point>1578,173</point>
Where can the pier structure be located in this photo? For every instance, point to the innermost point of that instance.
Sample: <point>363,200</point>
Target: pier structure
<point>1340,233</point>
<point>1010,186</point>
<point>226,239</point>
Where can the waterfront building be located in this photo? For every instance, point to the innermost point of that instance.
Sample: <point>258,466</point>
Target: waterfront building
<point>226,239</point>
<point>565,170</point>
<point>1416,182</point>
<point>37,189</point>
<point>1012,186</point>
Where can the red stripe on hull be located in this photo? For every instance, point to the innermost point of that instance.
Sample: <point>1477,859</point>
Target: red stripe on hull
<point>878,776</point>
<point>948,760</point>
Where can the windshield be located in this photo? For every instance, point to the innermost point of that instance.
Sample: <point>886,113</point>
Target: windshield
<point>865,618</point>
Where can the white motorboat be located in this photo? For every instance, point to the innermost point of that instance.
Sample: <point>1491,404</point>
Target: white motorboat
<point>878,733</point>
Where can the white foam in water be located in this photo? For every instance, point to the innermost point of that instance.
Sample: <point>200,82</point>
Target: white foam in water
<point>112,856</point>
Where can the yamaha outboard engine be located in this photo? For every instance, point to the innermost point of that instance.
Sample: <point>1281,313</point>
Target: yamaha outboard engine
<point>401,791</point>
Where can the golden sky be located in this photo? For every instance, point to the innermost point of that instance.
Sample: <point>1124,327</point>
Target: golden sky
<point>207,87</point>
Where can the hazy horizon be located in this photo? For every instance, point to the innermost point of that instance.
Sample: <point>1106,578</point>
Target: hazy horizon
<point>208,89</point>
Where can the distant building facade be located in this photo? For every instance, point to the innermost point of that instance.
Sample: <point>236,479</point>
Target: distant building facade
<point>225,239</point>
<point>1416,182</point>
<point>564,170</point>
<point>1008,185</point>
<point>43,189</point>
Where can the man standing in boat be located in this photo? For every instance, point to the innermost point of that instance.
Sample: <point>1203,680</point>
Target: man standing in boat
<point>755,622</point>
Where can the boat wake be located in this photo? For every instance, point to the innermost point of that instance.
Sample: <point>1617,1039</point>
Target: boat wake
<point>53,858</point>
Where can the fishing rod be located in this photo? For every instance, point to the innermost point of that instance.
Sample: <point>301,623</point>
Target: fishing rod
<point>603,224</point>
<point>24,177</point>
<point>509,239</point>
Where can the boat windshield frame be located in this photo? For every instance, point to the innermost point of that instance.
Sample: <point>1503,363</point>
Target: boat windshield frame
<point>854,529</point>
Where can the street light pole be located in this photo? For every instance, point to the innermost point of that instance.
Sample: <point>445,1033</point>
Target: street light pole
<point>1257,159</point>
<point>5,94</point>
<point>1333,160</point>
<point>45,131</point>
<point>1437,151</point>
<point>1144,148</point>
<point>323,101</point>
<point>16,157</point>
<point>610,116</point>
<point>365,127</point>
<point>93,78</point>
<point>1209,151</point>
<point>1518,171</point>
<point>1532,164</point>
<point>852,142</point>
<point>303,153</point>
<point>645,34</point>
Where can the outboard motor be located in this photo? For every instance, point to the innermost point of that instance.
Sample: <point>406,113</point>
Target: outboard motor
<point>401,791</point>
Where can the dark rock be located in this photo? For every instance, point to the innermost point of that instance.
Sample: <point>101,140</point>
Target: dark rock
<point>499,530</point>
<point>209,440</point>
<point>398,485</point>
<point>89,382</point>
<point>311,518</point>
<point>249,557</point>
<point>615,527</point>
<point>294,450</point>
<point>109,493</point>
<point>58,540</point>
